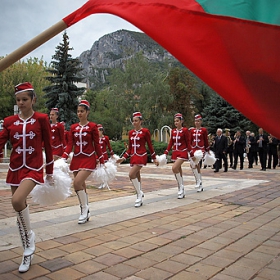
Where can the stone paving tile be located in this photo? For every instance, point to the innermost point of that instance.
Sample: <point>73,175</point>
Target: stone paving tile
<point>121,270</point>
<point>170,266</point>
<point>51,253</point>
<point>56,264</point>
<point>34,272</point>
<point>240,272</point>
<point>270,274</point>
<point>66,273</point>
<point>89,267</point>
<point>140,262</point>
<point>153,273</point>
<point>7,266</point>
<point>231,236</point>
<point>204,270</point>
<point>101,276</point>
<point>110,259</point>
<point>10,276</point>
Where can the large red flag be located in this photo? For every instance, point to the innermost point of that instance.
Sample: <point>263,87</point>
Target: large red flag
<point>236,57</point>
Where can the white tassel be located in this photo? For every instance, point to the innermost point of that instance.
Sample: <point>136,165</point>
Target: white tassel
<point>209,159</point>
<point>70,157</point>
<point>162,160</point>
<point>48,194</point>
<point>104,175</point>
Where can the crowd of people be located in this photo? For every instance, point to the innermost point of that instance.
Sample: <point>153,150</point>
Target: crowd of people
<point>231,150</point>
<point>31,132</point>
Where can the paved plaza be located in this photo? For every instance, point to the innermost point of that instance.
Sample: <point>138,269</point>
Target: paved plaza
<point>229,231</point>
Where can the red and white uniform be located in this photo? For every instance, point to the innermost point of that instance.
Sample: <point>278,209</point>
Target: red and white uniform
<point>104,142</point>
<point>137,147</point>
<point>85,140</point>
<point>180,144</point>
<point>27,138</point>
<point>199,140</point>
<point>57,137</point>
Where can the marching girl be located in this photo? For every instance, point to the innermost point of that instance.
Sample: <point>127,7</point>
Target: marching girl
<point>138,137</point>
<point>104,143</point>
<point>180,144</point>
<point>27,131</point>
<point>83,137</point>
<point>57,134</point>
<point>199,141</point>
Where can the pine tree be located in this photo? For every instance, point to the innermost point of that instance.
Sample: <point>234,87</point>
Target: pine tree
<point>63,93</point>
<point>220,114</point>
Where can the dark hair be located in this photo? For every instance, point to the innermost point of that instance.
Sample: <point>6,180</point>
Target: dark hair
<point>31,93</point>
<point>82,105</point>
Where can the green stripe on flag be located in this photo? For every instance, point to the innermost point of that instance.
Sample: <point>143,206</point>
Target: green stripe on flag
<point>265,11</point>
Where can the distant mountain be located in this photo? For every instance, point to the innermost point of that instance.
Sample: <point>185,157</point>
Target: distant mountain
<point>111,50</point>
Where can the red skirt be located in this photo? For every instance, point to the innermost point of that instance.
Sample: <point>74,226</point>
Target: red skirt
<point>58,151</point>
<point>179,155</point>
<point>138,160</point>
<point>14,178</point>
<point>83,162</point>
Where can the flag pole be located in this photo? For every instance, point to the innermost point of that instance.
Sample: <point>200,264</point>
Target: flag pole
<point>32,45</point>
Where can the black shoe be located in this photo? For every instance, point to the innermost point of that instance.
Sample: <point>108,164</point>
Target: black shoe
<point>263,169</point>
<point>241,168</point>
<point>216,170</point>
<point>225,170</point>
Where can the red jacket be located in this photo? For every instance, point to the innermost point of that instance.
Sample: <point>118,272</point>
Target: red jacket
<point>137,143</point>
<point>27,138</point>
<point>85,140</point>
<point>57,137</point>
<point>179,140</point>
<point>199,140</point>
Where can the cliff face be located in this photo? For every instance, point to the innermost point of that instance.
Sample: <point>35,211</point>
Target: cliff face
<point>111,50</point>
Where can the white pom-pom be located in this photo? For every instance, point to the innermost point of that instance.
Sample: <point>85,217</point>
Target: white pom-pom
<point>61,164</point>
<point>114,157</point>
<point>198,156</point>
<point>209,158</point>
<point>70,157</point>
<point>48,194</point>
<point>162,160</point>
<point>104,175</point>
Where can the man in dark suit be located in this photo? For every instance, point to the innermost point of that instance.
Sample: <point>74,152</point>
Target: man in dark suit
<point>238,149</point>
<point>262,141</point>
<point>220,149</point>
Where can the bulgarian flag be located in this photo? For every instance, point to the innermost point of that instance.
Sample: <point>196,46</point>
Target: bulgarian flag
<point>232,45</point>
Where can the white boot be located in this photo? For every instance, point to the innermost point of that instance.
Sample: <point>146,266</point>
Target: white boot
<point>26,234</point>
<point>136,184</point>
<point>141,189</point>
<point>200,188</point>
<point>181,191</point>
<point>197,178</point>
<point>25,263</point>
<point>83,199</point>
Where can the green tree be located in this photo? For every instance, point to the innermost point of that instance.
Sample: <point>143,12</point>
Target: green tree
<point>63,92</point>
<point>139,86</point>
<point>220,114</point>
<point>183,90</point>
<point>32,70</point>
<point>206,94</point>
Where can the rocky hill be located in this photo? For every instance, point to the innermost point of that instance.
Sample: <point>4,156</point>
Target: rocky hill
<point>111,50</point>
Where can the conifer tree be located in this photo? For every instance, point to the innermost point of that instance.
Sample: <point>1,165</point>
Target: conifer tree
<point>63,92</point>
<point>220,114</point>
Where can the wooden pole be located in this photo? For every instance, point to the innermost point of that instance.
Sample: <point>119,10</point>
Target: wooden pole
<point>32,45</point>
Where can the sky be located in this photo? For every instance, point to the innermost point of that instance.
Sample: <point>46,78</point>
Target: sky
<point>22,20</point>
